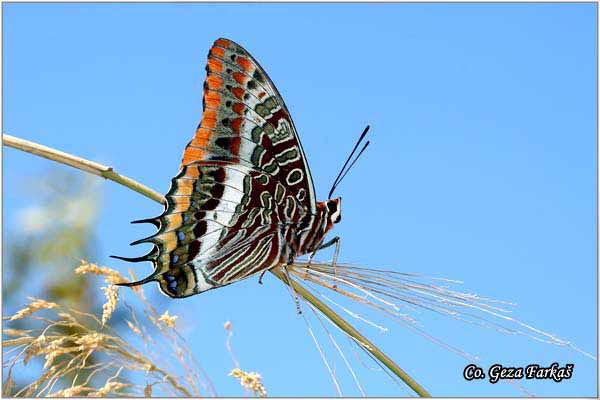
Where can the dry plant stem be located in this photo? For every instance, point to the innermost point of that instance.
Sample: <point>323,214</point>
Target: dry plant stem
<point>80,163</point>
<point>349,329</point>
<point>108,173</point>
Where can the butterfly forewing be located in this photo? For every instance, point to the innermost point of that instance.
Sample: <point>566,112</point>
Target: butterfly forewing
<point>245,120</point>
<point>244,181</point>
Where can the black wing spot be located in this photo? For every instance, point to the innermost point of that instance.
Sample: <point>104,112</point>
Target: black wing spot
<point>223,142</point>
<point>193,249</point>
<point>218,174</point>
<point>200,228</point>
<point>211,204</point>
<point>258,76</point>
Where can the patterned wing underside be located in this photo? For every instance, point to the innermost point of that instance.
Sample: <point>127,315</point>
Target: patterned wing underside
<point>245,121</point>
<point>243,183</point>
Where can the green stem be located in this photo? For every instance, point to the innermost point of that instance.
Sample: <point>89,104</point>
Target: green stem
<point>108,173</point>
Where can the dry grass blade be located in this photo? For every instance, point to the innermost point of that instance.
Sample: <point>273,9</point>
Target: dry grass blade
<point>398,295</point>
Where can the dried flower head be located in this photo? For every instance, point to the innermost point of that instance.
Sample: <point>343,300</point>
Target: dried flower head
<point>90,341</point>
<point>110,275</point>
<point>33,306</point>
<point>54,349</point>
<point>35,347</point>
<point>168,320</point>
<point>112,297</point>
<point>110,387</point>
<point>70,392</point>
<point>250,380</point>
<point>16,332</point>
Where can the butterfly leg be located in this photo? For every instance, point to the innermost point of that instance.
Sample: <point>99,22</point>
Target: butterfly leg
<point>335,257</point>
<point>292,291</point>
<point>335,241</point>
<point>261,276</point>
<point>310,257</point>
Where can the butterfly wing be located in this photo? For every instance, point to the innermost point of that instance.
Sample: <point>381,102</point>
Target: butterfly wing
<point>243,183</point>
<point>245,120</point>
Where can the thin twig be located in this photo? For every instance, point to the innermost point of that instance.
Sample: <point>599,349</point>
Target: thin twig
<point>80,163</point>
<point>108,173</point>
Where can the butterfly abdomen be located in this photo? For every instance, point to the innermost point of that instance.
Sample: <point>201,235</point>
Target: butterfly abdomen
<point>316,227</point>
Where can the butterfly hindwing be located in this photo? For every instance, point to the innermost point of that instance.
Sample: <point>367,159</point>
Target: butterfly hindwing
<point>219,214</point>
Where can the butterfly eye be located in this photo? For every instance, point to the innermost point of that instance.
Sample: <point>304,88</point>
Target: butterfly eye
<point>331,207</point>
<point>334,211</point>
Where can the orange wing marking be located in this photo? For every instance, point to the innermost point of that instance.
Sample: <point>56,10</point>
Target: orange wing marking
<point>239,77</point>
<point>238,92</point>
<point>244,63</point>
<point>215,65</point>
<point>222,42</point>
<point>238,108</point>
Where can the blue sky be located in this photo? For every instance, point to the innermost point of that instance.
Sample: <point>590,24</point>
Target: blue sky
<point>482,166</point>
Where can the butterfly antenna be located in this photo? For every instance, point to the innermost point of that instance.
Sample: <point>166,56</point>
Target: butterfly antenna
<point>352,164</point>
<point>341,174</point>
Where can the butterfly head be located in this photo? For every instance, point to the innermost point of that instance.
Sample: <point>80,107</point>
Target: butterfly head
<point>334,210</point>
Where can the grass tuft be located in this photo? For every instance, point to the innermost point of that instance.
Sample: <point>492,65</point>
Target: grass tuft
<point>80,354</point>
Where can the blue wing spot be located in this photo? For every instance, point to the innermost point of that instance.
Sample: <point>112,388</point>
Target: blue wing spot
<point>171,282</point>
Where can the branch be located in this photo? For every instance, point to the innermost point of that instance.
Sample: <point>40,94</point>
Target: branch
<point>108,173</point>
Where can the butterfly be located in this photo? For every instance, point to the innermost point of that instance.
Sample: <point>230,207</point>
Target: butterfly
<point>243,201</point>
